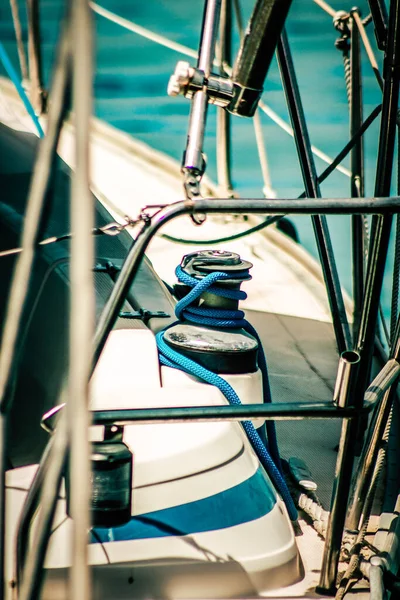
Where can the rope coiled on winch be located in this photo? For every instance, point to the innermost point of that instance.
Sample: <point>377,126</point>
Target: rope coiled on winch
<point>187,309</point>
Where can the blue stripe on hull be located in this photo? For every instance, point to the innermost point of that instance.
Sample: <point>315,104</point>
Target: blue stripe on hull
<point>248,501</point>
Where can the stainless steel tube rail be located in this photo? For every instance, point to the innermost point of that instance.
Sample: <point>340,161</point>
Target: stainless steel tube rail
<point>275,206</point>
<point>223,143</point>
<point>288,411</point>
<point>357,171</point>
<point>193,162</point>
<point>285,411</point>
<point>46,491</point>
<point>214,205</point>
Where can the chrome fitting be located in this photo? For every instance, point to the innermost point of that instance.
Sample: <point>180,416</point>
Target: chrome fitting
<point>187,80</point>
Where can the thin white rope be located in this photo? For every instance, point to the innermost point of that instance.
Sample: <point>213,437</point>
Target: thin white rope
<point>163,41</point>
<point>325,6</point>
<point>268,190</point>
<point>277,119</point>
<point>142,31</point>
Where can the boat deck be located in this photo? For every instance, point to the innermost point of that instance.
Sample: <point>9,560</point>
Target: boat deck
<point>302,362</point>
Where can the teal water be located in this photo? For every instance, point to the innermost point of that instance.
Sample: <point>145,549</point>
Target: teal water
<point>130,90</point>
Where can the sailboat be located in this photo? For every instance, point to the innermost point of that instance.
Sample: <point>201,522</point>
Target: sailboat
<point>167,477</point>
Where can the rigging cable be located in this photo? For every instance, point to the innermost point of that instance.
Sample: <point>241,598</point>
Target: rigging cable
<point>18,35</point>
<point>326,7</point>
<point>111,229</point>
<point>368,48</point>
<point>188,310</point>
<point>15,79</point>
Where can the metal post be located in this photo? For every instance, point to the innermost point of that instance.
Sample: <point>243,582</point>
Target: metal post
<point>338,311</point>
<point>33,573</point>
<point>193,162</point>
<point>341,487</point>
<point>345,378</point>
<point>224,56</point>
<point>357,171</point>
<point>37,93</point>
<point>382,224</point>
<point>82,304</point>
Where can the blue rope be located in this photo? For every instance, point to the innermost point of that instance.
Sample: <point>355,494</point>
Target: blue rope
<point>233,319</point>
<point>223,318</point>
<point>15,79</point>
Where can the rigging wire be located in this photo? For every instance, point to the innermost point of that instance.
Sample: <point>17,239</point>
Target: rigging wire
<point>15,79</point>
<point>326,7</point>
<point>287,128</point>
<point>368,48</point>
<point>163,41</point>
<point>111,229</point>
<point>142,31</point>
<point>341,23</point>
<point>268,190</point>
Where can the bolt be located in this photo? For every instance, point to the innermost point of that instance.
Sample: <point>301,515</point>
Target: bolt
<point>180,79</point>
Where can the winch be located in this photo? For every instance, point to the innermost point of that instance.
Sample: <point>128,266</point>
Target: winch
<point>211,330</point>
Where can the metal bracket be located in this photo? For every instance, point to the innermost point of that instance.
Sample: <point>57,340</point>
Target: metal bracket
<point>187,80</point>
<point>107,267</point>
<point>144,314</point>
